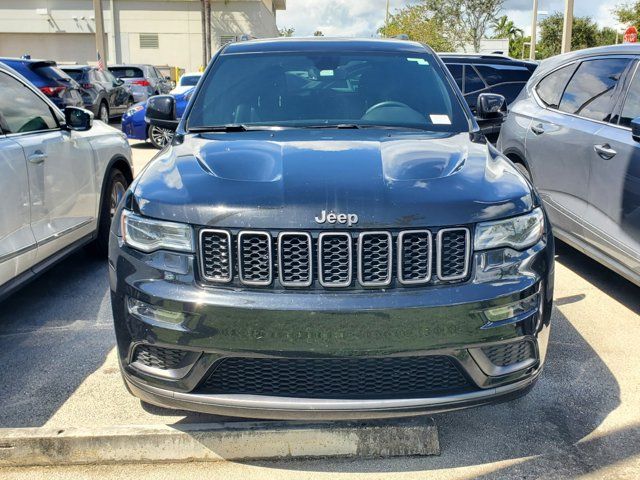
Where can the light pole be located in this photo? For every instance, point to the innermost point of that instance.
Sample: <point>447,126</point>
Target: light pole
<point>568,26</point>
<point>386,18</point>
<point>97,14</point>
<point>534,24</point>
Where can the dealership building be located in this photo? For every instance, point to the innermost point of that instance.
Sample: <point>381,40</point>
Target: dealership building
<point>159,32</point>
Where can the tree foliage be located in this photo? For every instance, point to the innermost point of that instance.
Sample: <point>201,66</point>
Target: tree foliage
<point>585,34</point>
<point>287,31</point>
<point>628,13</point>
<point>417,22</point>
<point>318,33</point>
<point>503,27</point>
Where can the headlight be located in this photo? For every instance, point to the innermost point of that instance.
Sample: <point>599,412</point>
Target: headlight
<point>148,235</point>
<point>518,232</point>
<point>133,110</point>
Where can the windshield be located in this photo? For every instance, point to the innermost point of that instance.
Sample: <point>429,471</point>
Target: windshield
<point>189,80</point>
<point>324,89</point>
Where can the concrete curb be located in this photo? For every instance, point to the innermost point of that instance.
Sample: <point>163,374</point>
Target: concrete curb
<point>217,441</point>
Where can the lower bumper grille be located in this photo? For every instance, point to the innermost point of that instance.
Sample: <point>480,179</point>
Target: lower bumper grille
<point>344,378</point>
<point>159,357</point>
<point>509,354</point>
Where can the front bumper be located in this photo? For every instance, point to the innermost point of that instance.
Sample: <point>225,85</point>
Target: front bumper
<point>221,323</point>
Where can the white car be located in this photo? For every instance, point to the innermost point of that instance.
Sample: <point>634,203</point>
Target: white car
<point>61,178</point>
<point>186,82</point>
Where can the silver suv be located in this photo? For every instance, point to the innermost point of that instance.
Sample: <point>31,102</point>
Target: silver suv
<point>61,178</point>
<point>144,80</point>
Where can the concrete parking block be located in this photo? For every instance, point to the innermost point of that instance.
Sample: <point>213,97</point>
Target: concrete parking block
<point>237,441</point>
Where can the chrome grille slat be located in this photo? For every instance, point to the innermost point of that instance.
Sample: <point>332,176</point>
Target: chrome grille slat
<point>335,259</point>
<point>375,254</point>
<point>295,262</point>
<point>255,258</point>
<point>330,260</point>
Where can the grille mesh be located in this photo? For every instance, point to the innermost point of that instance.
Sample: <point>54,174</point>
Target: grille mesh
<point>509,353</point>
<point>254,262</point>
<point>216,255</point>
<point>295,259</point>
<point>415,257</point>
<point>394,377</point>
<point>375,258</point>
<point>335,259</point>
<point>453,253</point>
<point>159,357</point>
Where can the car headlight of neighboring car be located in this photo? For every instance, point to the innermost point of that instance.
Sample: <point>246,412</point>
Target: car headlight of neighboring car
<point>133,110</point>
<point>148,235</point>
<point>518,232</point>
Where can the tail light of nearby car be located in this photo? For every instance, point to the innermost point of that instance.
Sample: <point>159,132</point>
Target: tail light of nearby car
<point>52,91</point>
<point>142,83</point>
<point>87,85</point>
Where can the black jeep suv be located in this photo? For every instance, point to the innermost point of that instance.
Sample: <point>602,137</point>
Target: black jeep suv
<point>329,236</point>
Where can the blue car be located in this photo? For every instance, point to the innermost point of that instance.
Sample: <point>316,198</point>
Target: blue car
<point>134,126</point>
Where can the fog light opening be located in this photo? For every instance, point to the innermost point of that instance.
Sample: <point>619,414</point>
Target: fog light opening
<point>152,314</point>
<point>513,311</point>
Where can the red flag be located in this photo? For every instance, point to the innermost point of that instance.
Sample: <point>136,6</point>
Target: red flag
<point>100,62</point>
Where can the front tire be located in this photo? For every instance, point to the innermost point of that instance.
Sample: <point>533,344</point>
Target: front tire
<point>117,184</point>
<point>103,113</point>
<point>160,137</point>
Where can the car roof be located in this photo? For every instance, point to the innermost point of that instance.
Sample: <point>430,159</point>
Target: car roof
<point>482,58</point>
<point>128,65</point>
<point>50,63</point>
<point>324,44</point>
<point>76,67</point>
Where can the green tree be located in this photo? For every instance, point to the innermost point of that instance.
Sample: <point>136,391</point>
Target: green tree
<point>585,34</point>
<point>607,36</point>
<point>287,31</point>
<point>628,13</point>
<point>519,47</point>
<point>417,22</point>
<point>318,33</point>
<point>503,27</point>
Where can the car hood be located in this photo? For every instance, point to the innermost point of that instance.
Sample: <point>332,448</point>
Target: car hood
<point>284,179</point>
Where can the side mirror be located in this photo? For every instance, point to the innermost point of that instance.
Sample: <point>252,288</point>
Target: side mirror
<point>118,82</point>
<point>168,77</point>
<point>161,112</point>
<point>490,105</point>
<point>635,129</point>
<point>78,119</point>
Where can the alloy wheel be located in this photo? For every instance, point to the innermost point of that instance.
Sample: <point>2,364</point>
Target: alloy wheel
<point>160,136</point>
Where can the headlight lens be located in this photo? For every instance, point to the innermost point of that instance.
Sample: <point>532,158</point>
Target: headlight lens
<point>518,232</point>
<point>148,235</point>
<point>134,109</point>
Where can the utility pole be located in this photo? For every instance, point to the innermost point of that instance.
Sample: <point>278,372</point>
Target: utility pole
<point>568,26</point>
<point>386,18</point>
<point>534,24</point>
<point>203,22</point>
<point>207,30</point>
<point>97,14</point>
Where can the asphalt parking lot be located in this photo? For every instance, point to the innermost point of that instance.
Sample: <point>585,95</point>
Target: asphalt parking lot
<point>57,352</point>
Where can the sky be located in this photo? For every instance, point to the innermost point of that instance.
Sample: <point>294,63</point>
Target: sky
<point>362,18</point>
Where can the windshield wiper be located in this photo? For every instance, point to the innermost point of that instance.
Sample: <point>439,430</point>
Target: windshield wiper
<point>335,125</point>
<point>232,127</point>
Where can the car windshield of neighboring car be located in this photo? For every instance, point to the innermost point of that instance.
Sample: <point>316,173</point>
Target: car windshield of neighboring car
<point>126,72</point>
<point>189,80</point>
<point>75,74</point>
<point>324,89</point>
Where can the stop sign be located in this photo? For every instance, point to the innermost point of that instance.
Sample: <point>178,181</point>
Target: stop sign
<point>631,35</point>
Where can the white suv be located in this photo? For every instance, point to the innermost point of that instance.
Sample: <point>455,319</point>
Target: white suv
<point>61,177</point>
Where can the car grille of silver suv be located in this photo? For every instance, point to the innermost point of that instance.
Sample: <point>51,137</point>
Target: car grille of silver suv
<point>332,260</point>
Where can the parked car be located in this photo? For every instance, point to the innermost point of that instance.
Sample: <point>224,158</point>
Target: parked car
<point>145,80</point>
<point>329,236</point>
<point>102,93</point>
<point>59,87</point>
<point>488,73</point>
<point>61,179</point>
<point>575,131</point>
<point>187,82</point>
<point>136,128</point>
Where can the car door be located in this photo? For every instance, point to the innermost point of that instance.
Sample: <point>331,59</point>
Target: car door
<point>612,223</point>
<point>575,101</point>
<point>165,85</point>
<point>17,242</point>
<point>60,169</point>
<point>120,96</point>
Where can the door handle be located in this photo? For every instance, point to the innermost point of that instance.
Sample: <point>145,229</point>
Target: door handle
<point>37,157</point>
<point>537,129</point>
<point>605,151</point>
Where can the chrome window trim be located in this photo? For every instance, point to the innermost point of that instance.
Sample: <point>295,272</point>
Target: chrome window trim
<point>387,281</point>
<point>285,234</point>
<point>201,255</point>
<point>16,253</point>
<point>350,269</point>
<point>467,254</point>
<point>261,283</point>
<point>400,263</point>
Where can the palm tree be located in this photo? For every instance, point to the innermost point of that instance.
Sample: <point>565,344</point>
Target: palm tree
<point>505,28</point>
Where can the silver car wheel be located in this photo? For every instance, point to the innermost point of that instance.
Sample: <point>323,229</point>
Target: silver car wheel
<point>160,136</point>
<point>117,192</point>
<point>103,114</point>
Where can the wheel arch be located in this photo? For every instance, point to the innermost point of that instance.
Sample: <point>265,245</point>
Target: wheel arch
<point>516,156</point>
<point>117,162</point>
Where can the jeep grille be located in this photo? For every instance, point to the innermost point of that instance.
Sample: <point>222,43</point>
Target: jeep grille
<point>370,259</point>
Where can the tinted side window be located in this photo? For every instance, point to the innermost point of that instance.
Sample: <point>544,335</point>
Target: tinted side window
<point>494,74</point>
<point>631,107</point>
<point>21,109</point>
<point>472,81</point>
<point>550,88</point>
<point>590,92</point>
<point>456,71</point>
